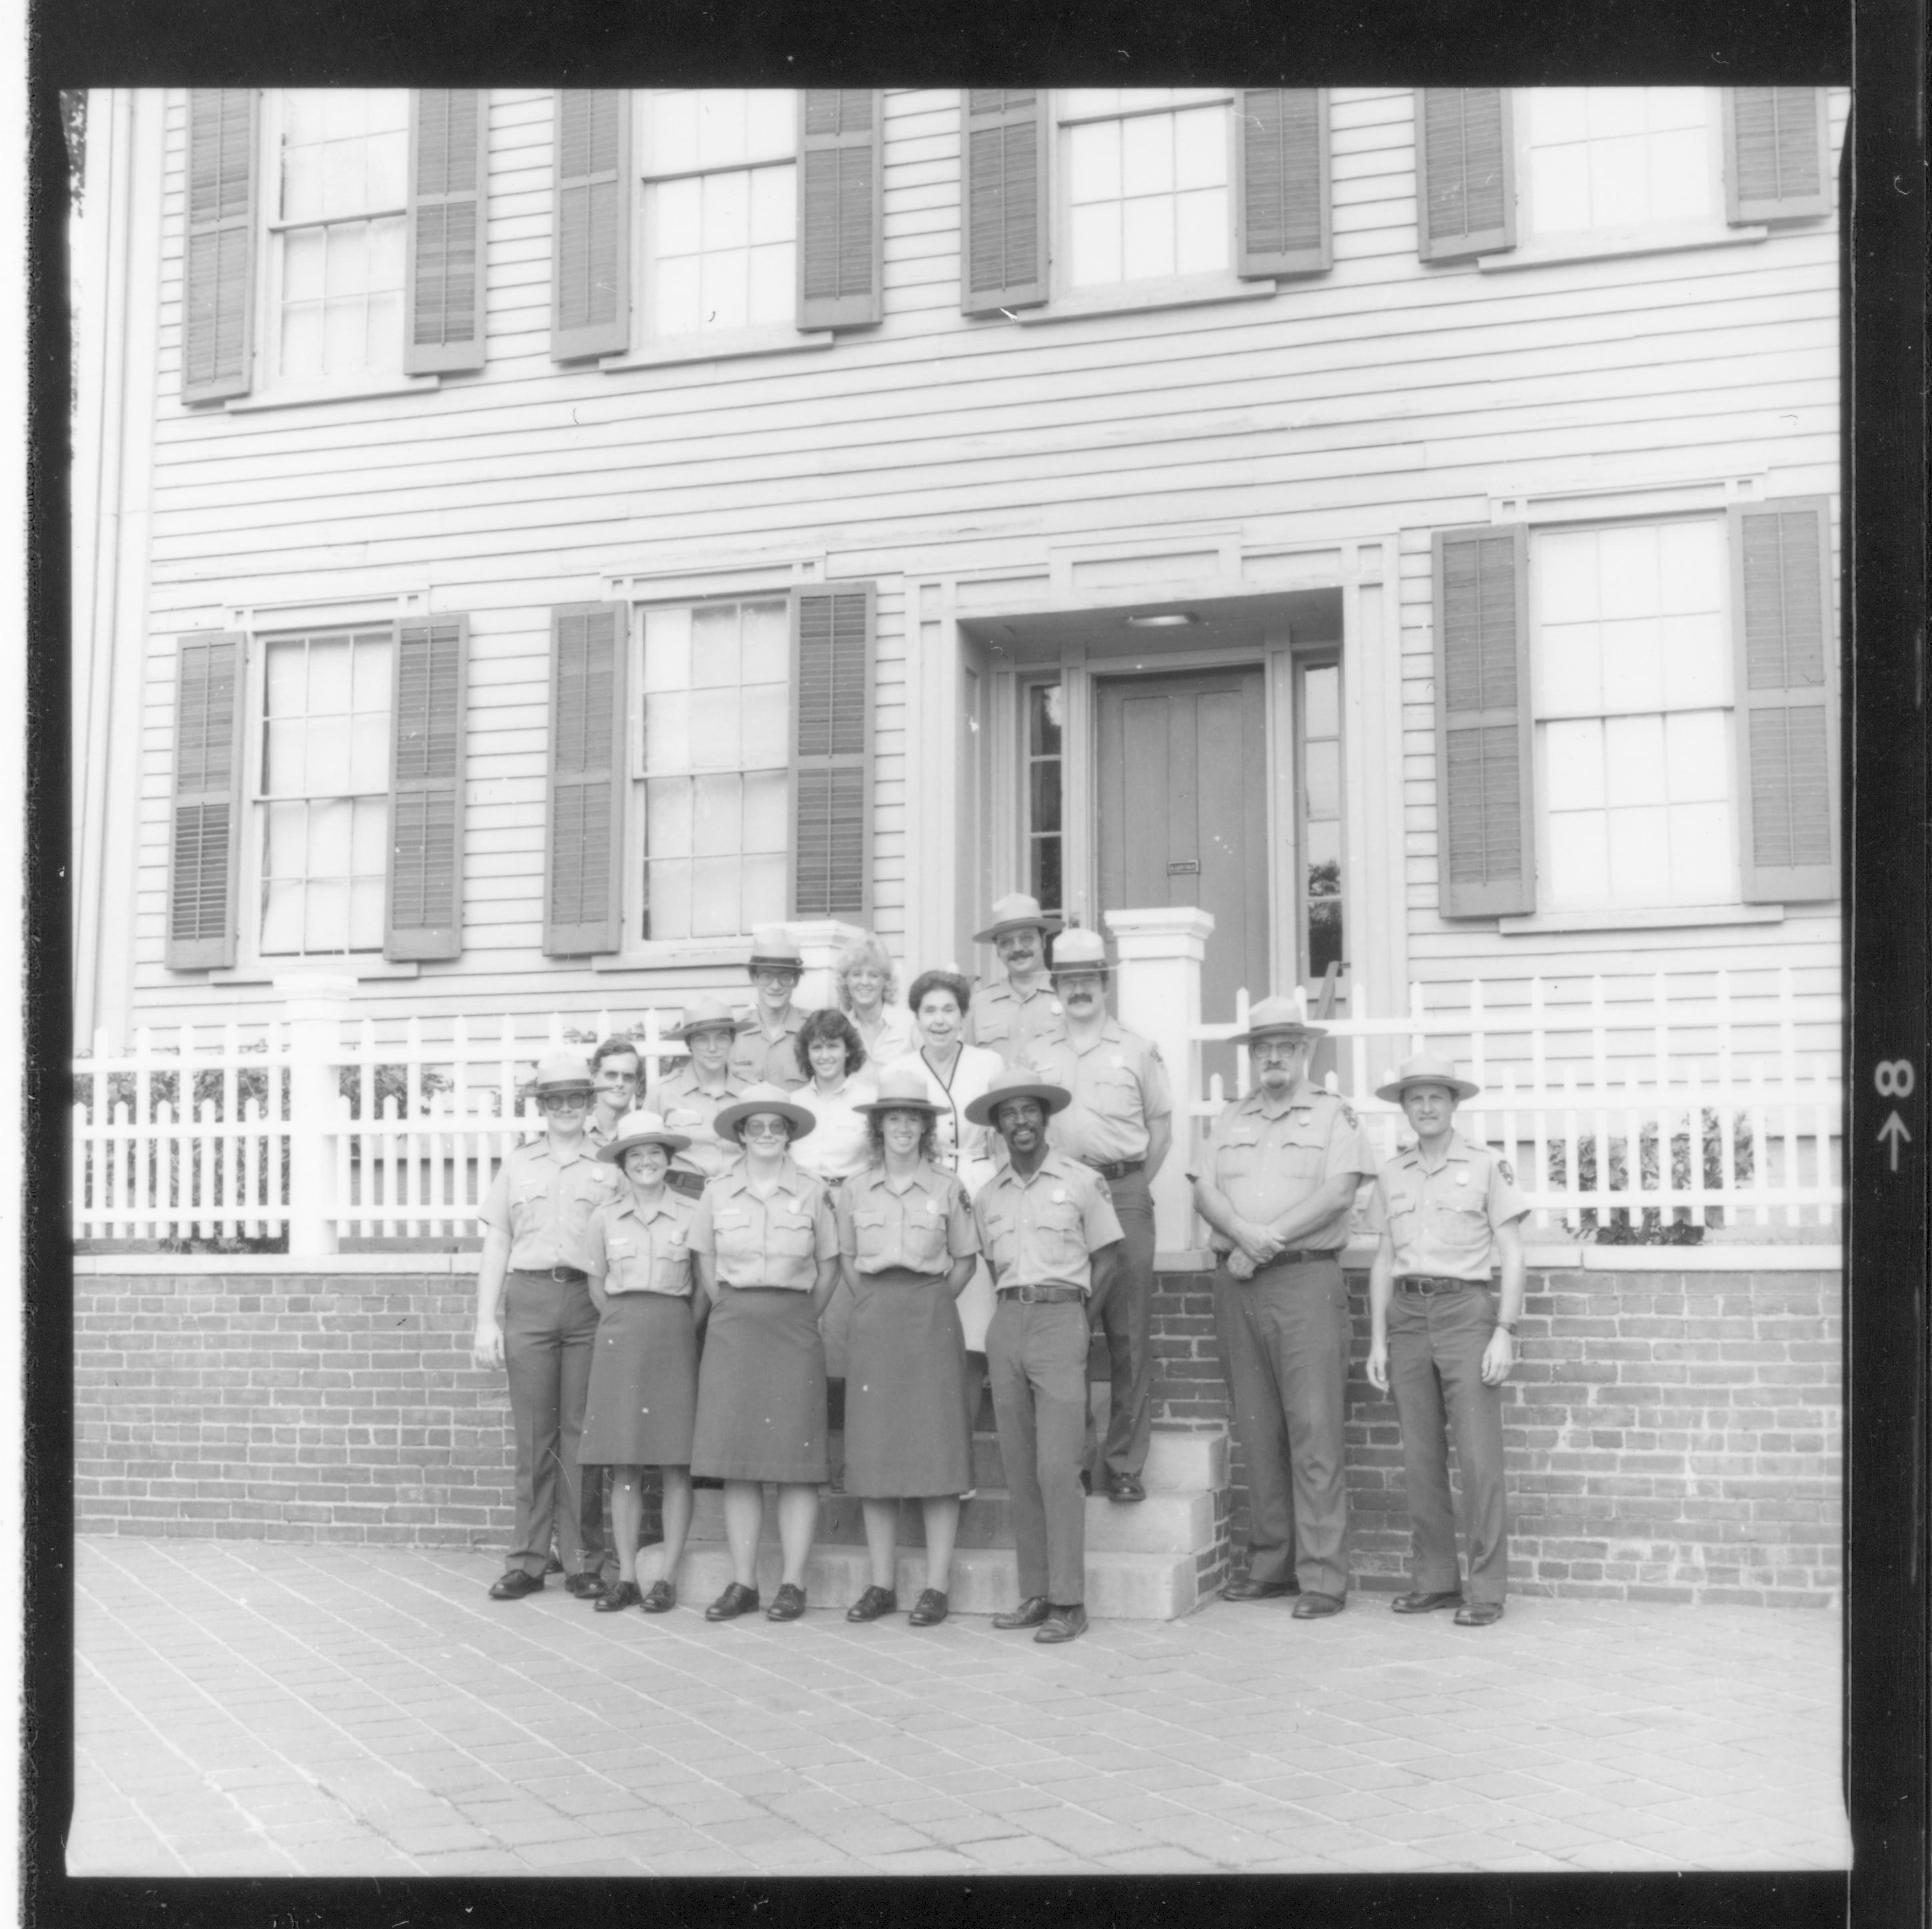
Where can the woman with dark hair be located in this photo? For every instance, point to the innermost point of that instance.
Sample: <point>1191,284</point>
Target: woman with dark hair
<point>831,1055</point>
<point>907,1244</point>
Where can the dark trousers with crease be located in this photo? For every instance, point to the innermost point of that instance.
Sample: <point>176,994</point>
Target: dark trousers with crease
<point>550,1333</point>
<point>1123,1313</point>
<point>1037,1360</point>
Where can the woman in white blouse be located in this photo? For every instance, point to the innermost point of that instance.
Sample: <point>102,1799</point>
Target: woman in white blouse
<point>838,1079</point>
<point>868,993</point>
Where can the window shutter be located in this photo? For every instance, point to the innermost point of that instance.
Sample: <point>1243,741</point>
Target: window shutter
<point>590,256</point>
<point>840,183</point>
<point>204,829</point>
<point>1004,252</point>
<point>1777,153</point>
<point>1284,209</point>
<point>1786,707</point>
<point>218,275</point>
<point>1465,172</point>
<point>1486,842</point>
<point>583,843</point>
<point>425,896</point>
<point>449,168</point>
<point>832,760</point>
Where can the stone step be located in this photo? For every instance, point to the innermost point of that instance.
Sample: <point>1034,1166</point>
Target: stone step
<point>1121,1586</point>
<point>1177,1462</point>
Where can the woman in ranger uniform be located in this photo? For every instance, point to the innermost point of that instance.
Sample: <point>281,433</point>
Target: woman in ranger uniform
<point>908,1244</point>
<point>643,1374</point>
<point>766,1253</point>
<point>689,1097</point>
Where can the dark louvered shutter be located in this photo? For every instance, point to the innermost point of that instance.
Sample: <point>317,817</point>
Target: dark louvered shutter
<point>1284,180</point>
<point>590,256</point>
<point>832,762</point>
<point>217,297</point>
<point>1787,713</point>
<point>448,175</point>
<point>1003,254</point>
<point>425,907</point>
<point>584,848</point>
<point>1777,164</point>
<point>839,189</point>
<point>205,823</point>
<point>1465,172</point>
<point>1485,837</point>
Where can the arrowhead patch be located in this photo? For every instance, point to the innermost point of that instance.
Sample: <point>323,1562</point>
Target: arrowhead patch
<point>1503,1167</point>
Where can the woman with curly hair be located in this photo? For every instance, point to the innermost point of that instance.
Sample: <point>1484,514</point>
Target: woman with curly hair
<point>832,1056</point>
<point>868,993</point>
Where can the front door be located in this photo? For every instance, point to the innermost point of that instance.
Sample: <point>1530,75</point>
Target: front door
<point>1181,816</point>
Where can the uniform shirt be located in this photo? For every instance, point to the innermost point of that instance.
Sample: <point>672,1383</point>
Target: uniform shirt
<point>896,1036</point>
<point>777,1241</point>
<point>544,1203</point>
<point>842,1143</point>
<point>1265,1166</point>
<point>1119,1084</point>
<point>636,1249</point>
<point>922,1229</point>
<point>757,1059</point>
<point>688,1110</point>
<point>1005,1020</point>
<point>1044,1231</point>
<point>1443,1223</point>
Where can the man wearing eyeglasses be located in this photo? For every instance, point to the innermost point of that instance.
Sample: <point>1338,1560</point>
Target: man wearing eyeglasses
<point>535,1319</point>
<point>765,1051</point>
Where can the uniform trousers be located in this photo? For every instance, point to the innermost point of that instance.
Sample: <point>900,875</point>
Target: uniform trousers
<point>1036,1361</point>
<point>1285,1337</point>
<point>549,1333</point>
<point>1436,1341</point>
<point>1122,1311</point>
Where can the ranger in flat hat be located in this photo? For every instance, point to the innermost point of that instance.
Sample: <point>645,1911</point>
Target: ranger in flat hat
<point>1448,1212</point>
<point>1283,1165</point>
<point>688,1098</point>
<point>1050,1235</point>
<point>765,1052</point>
<point>1006,1016</point>
<point>535,1318</point>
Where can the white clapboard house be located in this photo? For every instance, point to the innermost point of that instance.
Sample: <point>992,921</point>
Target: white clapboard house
<point>525,539</point>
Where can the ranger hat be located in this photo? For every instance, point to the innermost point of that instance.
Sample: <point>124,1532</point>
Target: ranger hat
<point>563,1072</point>
<point>763,1098</point>
<point>901,1088</point>
<point>1016,1082</point>
<point>774,949</point>
<point>702,1014</point>
<point>639,1128</point>
<point>1015,912</point>
<point>1079,950</point>
<point>1273,1018</point>
<point>1427,1068</point>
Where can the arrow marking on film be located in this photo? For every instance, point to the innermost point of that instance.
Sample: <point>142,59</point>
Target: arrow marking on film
<point>1893,1130</point>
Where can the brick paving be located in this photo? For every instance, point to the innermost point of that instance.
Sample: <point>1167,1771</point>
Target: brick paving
<point>251,1708</point>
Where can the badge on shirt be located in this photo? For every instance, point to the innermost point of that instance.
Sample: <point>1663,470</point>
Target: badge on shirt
<point>1461,1175</point>
<point>1503,1167</point>
<point>1059,1195</point>
<point>1346,1110</point>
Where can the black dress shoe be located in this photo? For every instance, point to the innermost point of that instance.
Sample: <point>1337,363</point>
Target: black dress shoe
<point>928,1611</point>
<point>873,1604</point>
<point>1418,1602</point>
<point>1249,1588</point>
<point>1479,1614</point>
<point>620,1595</point>
<point>661,1599</point>
<point>515,1585</point>
<point>1318,1606</point>
<point>585,1586</point>
<point>737,1599</point>
<point>1030,1613</point>
<point>1125,1486</point>
<point>553,1566</point>
<point>1063,1623</point>
<point>788,1604</point>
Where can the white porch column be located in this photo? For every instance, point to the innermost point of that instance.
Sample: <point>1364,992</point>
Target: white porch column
<point>1161,952</point>
<point>317,1008</point>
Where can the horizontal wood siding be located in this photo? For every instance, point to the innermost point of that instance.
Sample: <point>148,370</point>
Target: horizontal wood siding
<point>1381,401</point>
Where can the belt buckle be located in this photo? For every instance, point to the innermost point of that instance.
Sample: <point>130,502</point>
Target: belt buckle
<point>561,1275</point>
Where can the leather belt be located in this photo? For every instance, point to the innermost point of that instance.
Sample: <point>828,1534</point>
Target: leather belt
<point>692,1184</point>
<point>562,1275</point>
<point>1423,1283</point>
<point>1041,1295</point>
<point>1119,1169</point>
<point>1298,1255</point>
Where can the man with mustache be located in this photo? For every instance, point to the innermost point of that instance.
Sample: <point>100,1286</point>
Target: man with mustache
<point>1007,1016</point>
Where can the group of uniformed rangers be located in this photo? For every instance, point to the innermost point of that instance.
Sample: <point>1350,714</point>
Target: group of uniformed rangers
<point>658,1271</point>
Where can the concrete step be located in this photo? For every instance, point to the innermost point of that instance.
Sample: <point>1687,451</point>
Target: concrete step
<point>1122,1586</point>
<point>1177,1462</point>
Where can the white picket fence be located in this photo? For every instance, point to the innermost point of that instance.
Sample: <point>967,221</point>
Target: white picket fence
<point>1612,1108</point>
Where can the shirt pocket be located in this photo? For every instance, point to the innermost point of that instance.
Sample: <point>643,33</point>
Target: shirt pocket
<point>788,1234</point>
<point>732,1235</point>
<point>868,1235</point>
<point>925,1236</point>
<point>671,1263</point>
<point>1236,1157</point>
<point>1304,1151</point>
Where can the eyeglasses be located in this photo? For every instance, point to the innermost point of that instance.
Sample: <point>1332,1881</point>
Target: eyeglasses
<point>765,1128</point>
<point>564,1101</point>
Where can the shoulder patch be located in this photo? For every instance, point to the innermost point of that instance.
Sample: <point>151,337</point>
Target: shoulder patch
<point>1503,1167</point>
<point>1347,1110</point>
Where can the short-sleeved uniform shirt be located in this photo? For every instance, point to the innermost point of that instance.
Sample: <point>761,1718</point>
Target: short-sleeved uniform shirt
<point>635,1248</point>
<point>1119,1084</point>
<point>1266,1166</point>
<point>1044,1230</point>
<point>1443,1224</point>
<point>688,1110</point>
<point>1007,1021</point>
<point>923,1228</point>
<point>544,1203</point>
<point>756,1059</point>
<point>776,1241</point>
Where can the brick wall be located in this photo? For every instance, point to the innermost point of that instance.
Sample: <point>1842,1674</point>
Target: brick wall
<point>1669,1436</point>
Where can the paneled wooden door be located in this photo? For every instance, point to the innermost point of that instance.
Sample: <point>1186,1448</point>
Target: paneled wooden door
<point>1181,763</point>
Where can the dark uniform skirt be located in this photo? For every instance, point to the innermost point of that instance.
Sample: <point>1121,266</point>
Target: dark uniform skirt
<point>642,1400</point>
<point>761,1389</point>
<point>906,1433</point>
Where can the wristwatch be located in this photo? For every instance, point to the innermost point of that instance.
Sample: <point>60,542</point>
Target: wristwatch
<point>1507,1326</point>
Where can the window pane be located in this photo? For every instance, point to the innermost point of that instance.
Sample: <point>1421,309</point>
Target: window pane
<point>372,672</point>
<point>1639,855</point>
<point>300,356</point>
<point>1044,705</point>
<point>1201,231</point>
<point>1322,838</point>
<point>1093,162</point>
<point>771,122</point>
<point>1321,777</point>
<point>286,680</point>
<point>285,840</point>
<point>1619,191</point>
<point>1570,673</point>
<point>328,675</point>
<point>727,210</point>
<point>764,899</point>
<point>326,915</point>
<point>668,649</point>
<point>1095,234</point>
<point>365,914</point>
<point>1320,702</point>
<point>1573,756</point>
<point>674,217</point>
<point>387,250</point>
<point>305,264</point>
<point>328,743</point>
<point>348,258</point>
<point>369,839</point>
<point>766,822</point>
<point>714,648</point>
<point>772,283</point>
<point>329,824</point>
<point>281,918</point>
<point>1627,572</point>
<point>715,911</point>
<point>1147,155</point>
<point>1702,866</point>
<point>1690,566</point>
<point>714,730</point>
<point>1566,573</point>
<point>344,178</point>
<point>1147,238</point>
<point>369,753</point>
<point>1046,872</point>
<point>680,307</point>
<point>1560,188</point>
<point>388,178</point>
<point>667,909</point>
<point>673,132</point>
<point>774,205</point>
<point>1613,110</point>
<point>1090,101</point>
<point>1632,665</point>
<point>667,732</point>
<point>721,126</point>
<point>284,771</point>
<point>301,113</point>
<point>717,818</point>
<point>667,817</point>
<point>1681,186</point>
<point>343,336</point>
<point>1556,113</point>
<point>345,113</point>
<point>1580,861</point>
<point>1043,799</point>
<point>1201,149</point>
<point>1696,660</point>
<point>722,289</point>
<point>1696,757</point>
<point>1324,935</point>
<point>765,636</point>
<point>1633,760</point>
<point>767,716</point>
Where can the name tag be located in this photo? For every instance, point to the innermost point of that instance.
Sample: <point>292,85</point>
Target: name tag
<point>1462,1177</point>
<point>1059,1196</point>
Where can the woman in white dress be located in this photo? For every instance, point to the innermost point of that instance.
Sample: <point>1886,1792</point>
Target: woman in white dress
<point>838,1079</point>
<point>868,994</point>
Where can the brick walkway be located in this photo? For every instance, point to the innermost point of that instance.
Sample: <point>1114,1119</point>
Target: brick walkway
<point>249,1707</point>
